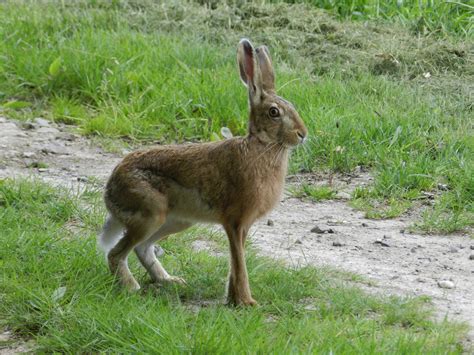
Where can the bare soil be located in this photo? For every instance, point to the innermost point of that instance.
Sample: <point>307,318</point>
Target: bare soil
<point>391,259</point>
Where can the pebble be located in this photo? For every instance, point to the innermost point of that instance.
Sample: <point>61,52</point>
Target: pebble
<point>46,130</point>
<point>445,284</point>
<point>270,223</point>
<point>471,247</point>
<point>382,243</point>
<point>337,244</point>
<point>298,241</point>
<point>453,250</point>
<point>28,154</point>
<point>42,170</point>
<point>317,230</point>
<point>343,195</point>
<point>365,225</point>
<point>443,187</point>
<point>330,230</point>
<point>41,122</point>
<point>27,125</point>
<point>471,257</point>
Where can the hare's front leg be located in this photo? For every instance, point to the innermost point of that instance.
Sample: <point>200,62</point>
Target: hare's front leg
<point>238,288</point>
<point>146,254</point>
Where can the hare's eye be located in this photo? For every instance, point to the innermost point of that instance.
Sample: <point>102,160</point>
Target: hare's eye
<point>274,112</point>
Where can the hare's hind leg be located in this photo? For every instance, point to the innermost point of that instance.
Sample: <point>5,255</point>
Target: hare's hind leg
<point>146,254</point>
<point>117,257</point>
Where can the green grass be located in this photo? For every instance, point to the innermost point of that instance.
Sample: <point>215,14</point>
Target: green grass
<point>56,289</point>
<point>166,73</point>
<point>314,193</point>
<point>425,16</point>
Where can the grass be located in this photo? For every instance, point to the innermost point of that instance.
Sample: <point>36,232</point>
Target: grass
<point>425,16</point>
<point>312,192</point>
<point>56,289</point>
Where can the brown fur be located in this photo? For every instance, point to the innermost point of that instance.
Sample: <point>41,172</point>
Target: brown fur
<point>157,192</point>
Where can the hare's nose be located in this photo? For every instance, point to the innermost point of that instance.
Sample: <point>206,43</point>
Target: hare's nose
<point>302,137</point>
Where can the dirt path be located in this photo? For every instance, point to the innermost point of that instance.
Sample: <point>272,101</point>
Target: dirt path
<point>398,262</point>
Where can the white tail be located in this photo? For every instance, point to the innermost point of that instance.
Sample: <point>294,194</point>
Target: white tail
<point>111,234</point>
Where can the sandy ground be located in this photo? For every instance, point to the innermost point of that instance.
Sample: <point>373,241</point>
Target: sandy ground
<point>395,261</point>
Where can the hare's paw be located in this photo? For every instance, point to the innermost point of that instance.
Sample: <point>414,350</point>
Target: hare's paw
<point>243,302</point>
<point>130,284</point>
<point>248,302</point>
<point>175,279</point>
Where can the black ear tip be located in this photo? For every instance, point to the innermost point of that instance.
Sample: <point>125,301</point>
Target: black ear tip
<point>247,45</point>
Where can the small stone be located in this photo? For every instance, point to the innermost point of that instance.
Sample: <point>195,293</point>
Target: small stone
<point>311,307</point>
<point>27,125</point>
<point>330,231</point>
<point>453,250</point>
<point>443,187</point>
<point>48,130</point>
<point>471,247</point>
<point>298,241</point>
<point>336,244</point>
<point>270,223</point>
<point>317,230</point>
<point>42,170</point>
<point>28,154</point>
<point>82,178</point>
<point>365,225</point>
<point>41,122</point>
<point>471,257</point>
<point>402,231</point>
<point>445,284</point>
<point>382,243</point>
<point>343,195</point>
<point>429,195</point>
<point>413,250</point>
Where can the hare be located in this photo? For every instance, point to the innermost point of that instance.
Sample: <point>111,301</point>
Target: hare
<point>157,192</point>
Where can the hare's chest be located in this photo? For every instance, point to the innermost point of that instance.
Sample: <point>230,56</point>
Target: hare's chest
<point>268,195</point>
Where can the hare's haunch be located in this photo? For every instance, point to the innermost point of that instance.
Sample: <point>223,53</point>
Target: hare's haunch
<point>154,193</point>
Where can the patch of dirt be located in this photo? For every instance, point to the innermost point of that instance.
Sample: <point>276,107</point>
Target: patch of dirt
<point>397,262</point>
<point>208,246</point>
<point>11,345</point>
<point>333,234</point>
<point>52,153</point>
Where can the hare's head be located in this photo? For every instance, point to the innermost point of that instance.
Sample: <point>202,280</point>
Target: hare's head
<point>272,118</point>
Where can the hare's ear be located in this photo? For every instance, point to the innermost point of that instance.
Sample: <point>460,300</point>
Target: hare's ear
<point>249,70</point>
<point>266,68</point>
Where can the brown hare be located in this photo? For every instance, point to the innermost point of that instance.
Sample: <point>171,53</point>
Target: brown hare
<point>154,193</point>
